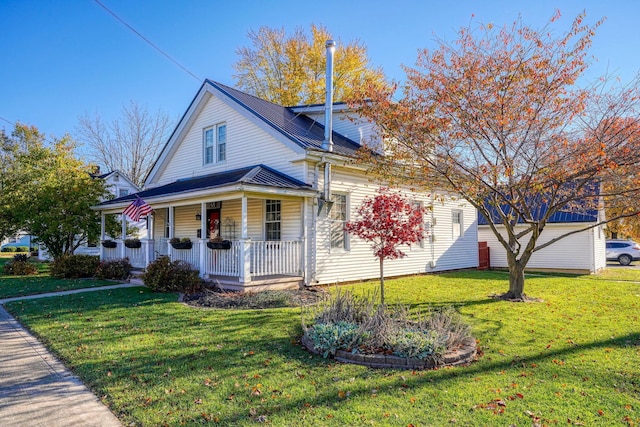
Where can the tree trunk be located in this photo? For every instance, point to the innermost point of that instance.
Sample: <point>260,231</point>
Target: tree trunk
<point>381,281</point>
<point>516,282</point>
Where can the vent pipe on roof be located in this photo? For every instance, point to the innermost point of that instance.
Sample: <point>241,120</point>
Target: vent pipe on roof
<point>327,144</point>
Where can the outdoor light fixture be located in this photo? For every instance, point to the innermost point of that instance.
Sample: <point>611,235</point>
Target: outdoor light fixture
<point>198,217</point>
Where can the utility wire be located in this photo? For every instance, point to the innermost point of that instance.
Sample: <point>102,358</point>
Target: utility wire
<point>166,55</point>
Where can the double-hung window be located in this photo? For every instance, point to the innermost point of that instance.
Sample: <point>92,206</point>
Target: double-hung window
<point>456,223</point>
<point>338,220</point>
<point>272,220</point>
<point>215,144</point>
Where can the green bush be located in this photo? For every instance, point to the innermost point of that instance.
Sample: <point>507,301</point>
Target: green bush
<point>19,268</point>
<point>21,257</point>
<point>22,249</point>
<point>329,337</point>
<point>9,249</point>
<point>164,275</point>
<point>74,266</point>
<point>359,324</point>
<point>116,269</point>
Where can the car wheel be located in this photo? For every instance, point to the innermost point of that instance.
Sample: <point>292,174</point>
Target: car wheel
<point>624,259</point>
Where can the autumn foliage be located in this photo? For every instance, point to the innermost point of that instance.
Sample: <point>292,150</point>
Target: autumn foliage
<point>387,221</point>
<point>502,117</point>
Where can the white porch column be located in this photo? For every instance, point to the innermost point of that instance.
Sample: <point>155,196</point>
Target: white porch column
<point>102,230</point>
<point>203,240</point>
<point>171,229</point>
<point>245,245</point>
<point>303,249</point>
<point>123,235</point>
<point>148,246</point>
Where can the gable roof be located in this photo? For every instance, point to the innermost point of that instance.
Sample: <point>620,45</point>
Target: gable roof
<point>288,122</point>
<point>299,128</point>
<point>259,175</point>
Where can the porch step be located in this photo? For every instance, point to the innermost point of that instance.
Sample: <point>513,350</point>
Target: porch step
<point>136,276</point>
<point>263,283</point>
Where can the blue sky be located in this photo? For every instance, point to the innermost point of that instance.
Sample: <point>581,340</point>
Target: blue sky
<point>63,58</point>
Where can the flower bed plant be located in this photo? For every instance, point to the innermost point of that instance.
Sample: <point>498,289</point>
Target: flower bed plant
<point>356,325</point>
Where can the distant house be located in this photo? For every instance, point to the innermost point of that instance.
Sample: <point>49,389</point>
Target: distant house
<point>270,181</point>
<point>583,252</point>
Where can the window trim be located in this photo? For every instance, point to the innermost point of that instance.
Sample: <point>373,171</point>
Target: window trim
<point>217,156</point>
<point>278,221</point>
<point>460,225</point>
<point>346,237</point>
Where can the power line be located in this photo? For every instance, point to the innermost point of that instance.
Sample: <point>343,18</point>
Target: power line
<point>166,55</point>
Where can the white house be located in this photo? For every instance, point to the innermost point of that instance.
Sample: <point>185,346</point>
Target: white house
<point>279,187</point>
<point>582,252</point>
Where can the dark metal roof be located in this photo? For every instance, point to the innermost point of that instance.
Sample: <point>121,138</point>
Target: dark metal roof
<point>299,128</point>
<point>579,211</point>
<point>255,175</point>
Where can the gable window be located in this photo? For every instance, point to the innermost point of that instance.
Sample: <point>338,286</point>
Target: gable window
<point>123,192</point>
<point>338,220</point>
<point>215,144</point>
<point>456,223</point>
<point>272,225</point>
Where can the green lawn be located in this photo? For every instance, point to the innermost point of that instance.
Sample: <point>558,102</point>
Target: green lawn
<point>573,359</point>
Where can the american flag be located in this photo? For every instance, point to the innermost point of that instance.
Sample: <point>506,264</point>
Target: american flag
<point>137,209</point>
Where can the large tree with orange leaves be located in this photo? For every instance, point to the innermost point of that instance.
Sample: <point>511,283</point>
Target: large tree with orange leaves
<point>499,116</point>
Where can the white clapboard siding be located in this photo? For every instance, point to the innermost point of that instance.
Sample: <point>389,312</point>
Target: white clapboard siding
<point>358,262</point>
<point>584,251</point>
<point>247,144</point>
<point>356,129</point>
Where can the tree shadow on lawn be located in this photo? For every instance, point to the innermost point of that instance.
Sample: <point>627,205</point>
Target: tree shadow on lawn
<point>240,364</point>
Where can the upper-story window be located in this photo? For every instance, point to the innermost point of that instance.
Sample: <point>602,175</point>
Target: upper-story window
<point>123,192</point>
<point>215,144</point>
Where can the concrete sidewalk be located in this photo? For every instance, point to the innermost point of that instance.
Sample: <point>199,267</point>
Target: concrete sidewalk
<point>36,389</point>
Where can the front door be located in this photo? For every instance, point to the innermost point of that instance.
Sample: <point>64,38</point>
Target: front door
<point>213,223</point>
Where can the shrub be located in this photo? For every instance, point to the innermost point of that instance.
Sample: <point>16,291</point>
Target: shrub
<point>164,275</point>
<point>116,269</point>
<point>9,249</point>
<point>19,268</point>
<point>22,249</point>
<point>329,337</point>
<point>74,266</point>
<point>21,257</point>
<point>358,324</point>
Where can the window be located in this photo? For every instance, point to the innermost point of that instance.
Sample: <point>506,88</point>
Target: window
<point>456,226</point>
<point>423,229</point>
<point>123,192</point>
<point>272,227</point>
<point>215,144</point>
<point>338,219</point>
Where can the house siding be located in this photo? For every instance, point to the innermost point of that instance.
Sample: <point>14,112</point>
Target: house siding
<point>247,144</point>
<point>584,251</point>
<point>443,252</point>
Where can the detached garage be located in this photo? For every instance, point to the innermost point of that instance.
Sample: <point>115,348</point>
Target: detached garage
<point>582,252</point>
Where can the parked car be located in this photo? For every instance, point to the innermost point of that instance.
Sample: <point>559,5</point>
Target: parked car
<point>623,251</point>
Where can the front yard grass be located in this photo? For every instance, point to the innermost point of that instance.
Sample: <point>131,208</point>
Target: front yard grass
<point>573,359</point>
<point>16,286</point>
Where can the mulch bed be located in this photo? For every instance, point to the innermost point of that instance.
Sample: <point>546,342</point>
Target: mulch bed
<point>255,300</point>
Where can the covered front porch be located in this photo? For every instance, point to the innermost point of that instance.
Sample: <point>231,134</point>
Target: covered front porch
<point>243,229</point>
<point>247,264</point>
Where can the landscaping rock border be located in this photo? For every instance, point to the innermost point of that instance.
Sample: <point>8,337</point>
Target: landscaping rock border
<point>461,356</point>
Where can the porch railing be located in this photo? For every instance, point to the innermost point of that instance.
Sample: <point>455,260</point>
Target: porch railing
<point>266,258</point>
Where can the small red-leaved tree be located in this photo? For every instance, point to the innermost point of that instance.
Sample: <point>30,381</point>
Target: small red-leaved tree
<point>387,220</point>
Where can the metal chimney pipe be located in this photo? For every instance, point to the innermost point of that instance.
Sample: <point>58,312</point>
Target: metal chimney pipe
<point>327,144</point>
